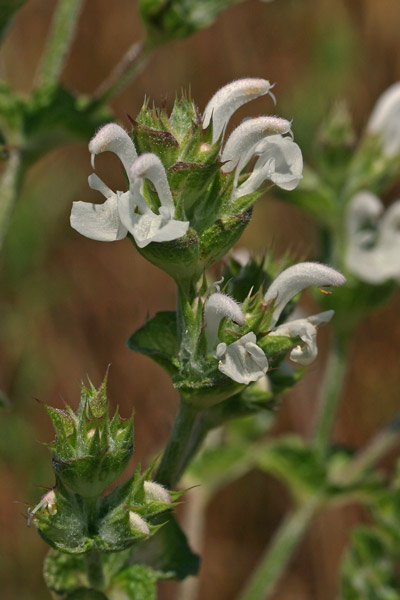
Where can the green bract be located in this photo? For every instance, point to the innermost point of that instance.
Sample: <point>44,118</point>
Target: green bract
<point>90,449</point>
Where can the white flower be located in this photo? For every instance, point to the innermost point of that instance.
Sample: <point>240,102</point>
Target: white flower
<point>231,97</point>
<point>48,502</point>
<point>138,524</point>
<point>123,212</point>
<point>101,221</point>
<point>217,307</point>
<point>243,361</point>
<point>154,492</point>
<point>385,120</point>
<point>145,225</point>
<point>373,239</point>
<point>280,161</point>
<point>295,279</point>
<point>242,142</point>
<point>306,329</point>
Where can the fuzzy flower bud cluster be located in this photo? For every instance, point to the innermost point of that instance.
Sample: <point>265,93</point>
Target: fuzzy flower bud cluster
<point>89,453</point>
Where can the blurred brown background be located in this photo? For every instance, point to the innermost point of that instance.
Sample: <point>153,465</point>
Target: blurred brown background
<point>68,304</point>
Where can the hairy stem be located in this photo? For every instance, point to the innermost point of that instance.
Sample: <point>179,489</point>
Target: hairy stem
<point>94,570</point>
<point>173,459</point>
<point>330,394</point>
<point>125,71</point>
<point>10,185</point>
<point>58,44</point>
<point>277,555</point>
<point>382,443</point>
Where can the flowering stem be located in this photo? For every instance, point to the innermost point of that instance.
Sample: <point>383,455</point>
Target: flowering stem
<point>94,570</point>
<point>9,188</point>
<point>330,395</point>
<point>173,459</point>
<point>277,555</point>
<point>127,69</point>
<point>58,44</point>
<point>382,443</point>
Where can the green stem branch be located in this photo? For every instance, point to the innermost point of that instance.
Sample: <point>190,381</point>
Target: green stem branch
<point>173,460</point>
<point>382,443</point>
<point>94,570</point>
<point>10,185</point>
<point>330,394</point>
<point>125,71</point>
<point>276,558</point>
<point>59,42</point>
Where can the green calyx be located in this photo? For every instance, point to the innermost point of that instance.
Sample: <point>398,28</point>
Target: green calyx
<point>90,450</point>
<point>202,193</point>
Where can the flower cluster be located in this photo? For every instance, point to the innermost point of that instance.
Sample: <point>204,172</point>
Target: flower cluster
<point>157,207</point>
<point>244,361</point>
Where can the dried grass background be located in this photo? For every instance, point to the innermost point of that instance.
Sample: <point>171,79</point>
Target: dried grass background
<point>68,304</point>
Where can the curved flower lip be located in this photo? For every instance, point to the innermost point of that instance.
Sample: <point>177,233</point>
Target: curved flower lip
<point>242,142</point>
<point>373,255</point>
<point>149,166</point>
<point>295,279</point>
<point>243,361</point>
<point>385,119</point>
<point>306,329</point>
<point>216,308</point>
<point>99,222</point>
<point>280,161</point>
<point>229,99</point>
<point>113,138</point>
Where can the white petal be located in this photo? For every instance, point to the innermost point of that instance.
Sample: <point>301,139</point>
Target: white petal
<point>280,161</point>
<point>148,227</point>
<point>217,307</point>
<point>98,221</point>
<point>154,492</point>
<point>95,183</point>
<point>242,142</point>
<point>295,279</point>
<point>364,209</point>
<point>113,138</point>
<point>137,523</point>
<point>228,99</point>
<point>241,256</point>
<point>305,353</point>
<point>385,119</point>
<point>243,361</point>
<point>149,166</point>
<point>373,253</point>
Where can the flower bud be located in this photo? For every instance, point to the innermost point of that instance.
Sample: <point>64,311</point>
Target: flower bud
<point>90,450</point>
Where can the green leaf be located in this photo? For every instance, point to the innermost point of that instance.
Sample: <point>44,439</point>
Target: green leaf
<point>167,551</point>
<point>294,462</point>
<point>218,466</point>
<point>165,21</point>
<point>64,572</point>
<point>56,117</point>
<point>8,8</point>
<point>136,582</point>
<point>157,339</point>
